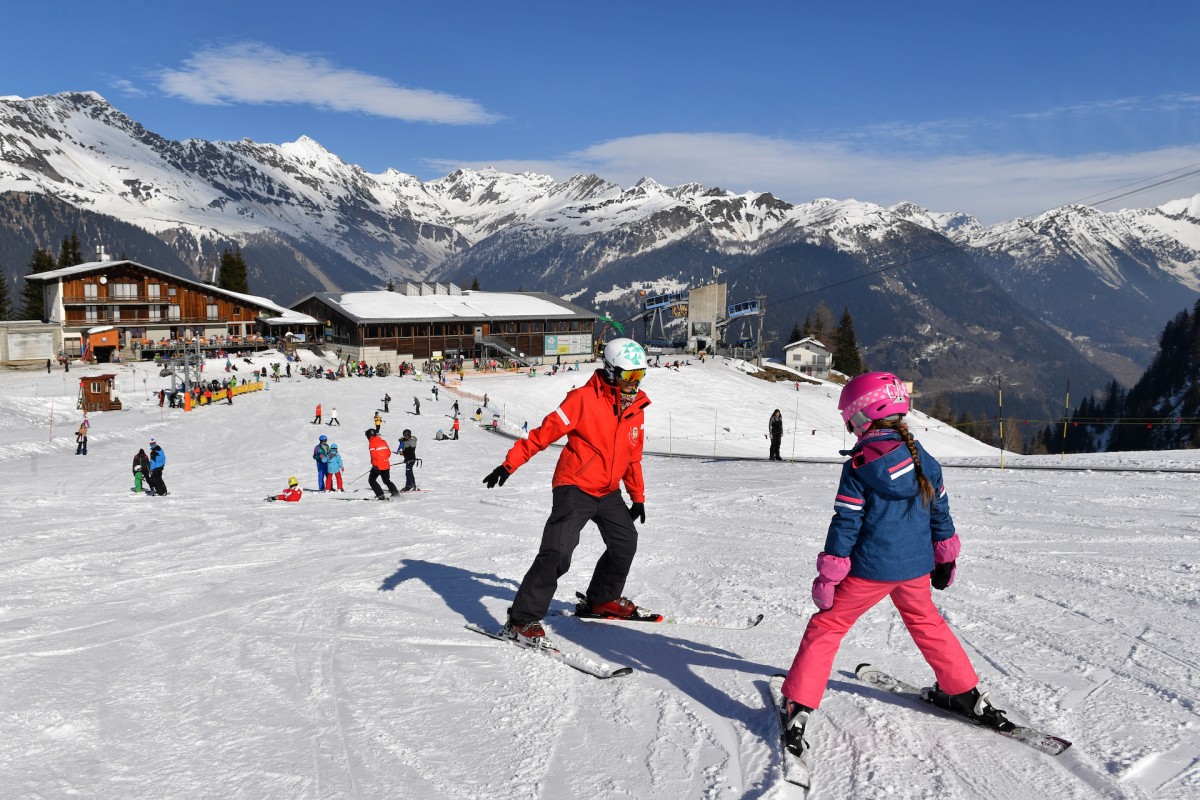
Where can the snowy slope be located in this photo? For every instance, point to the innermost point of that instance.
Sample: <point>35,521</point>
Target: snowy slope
<point>210,645</point>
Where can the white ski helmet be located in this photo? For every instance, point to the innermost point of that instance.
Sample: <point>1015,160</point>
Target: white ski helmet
<point>624,356</point>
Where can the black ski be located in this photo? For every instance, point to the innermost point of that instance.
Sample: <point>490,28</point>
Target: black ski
<point>551,650</point>
<point>795,768</point>
<point>1051,745</point>
<point>583,611</point>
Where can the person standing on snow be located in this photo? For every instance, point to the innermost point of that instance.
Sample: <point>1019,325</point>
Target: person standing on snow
<point>775,431</point>
<point>891,536</point>
<point>409,444</point>
<point>334,468</point>
<point>141,470</point>
<point>604,423</point>
<point>81,437</point>
<point>321,456</point>
<point>387,398</point>
<point>333,420</point>
<point>417,406</point>
<point>158,462</point>
<point>455,427</point>
<point>381,464</point>
<point>317,418</point>
<point>378,422</point>
<point>292,494</point>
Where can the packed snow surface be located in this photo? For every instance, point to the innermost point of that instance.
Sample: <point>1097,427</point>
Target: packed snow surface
<point>208,644</point>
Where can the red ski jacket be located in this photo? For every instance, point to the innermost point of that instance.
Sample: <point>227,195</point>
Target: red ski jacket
<point>291,495</point>
<point>381,453</point>
<point>604,445</point>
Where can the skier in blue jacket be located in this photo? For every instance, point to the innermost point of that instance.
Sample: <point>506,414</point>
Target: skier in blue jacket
<point>321,456</point>
<point>158,461</point>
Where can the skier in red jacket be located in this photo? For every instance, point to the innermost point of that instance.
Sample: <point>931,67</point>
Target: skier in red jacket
<point>604,425</point>
<point>292,494</point>
<point>381,464</point>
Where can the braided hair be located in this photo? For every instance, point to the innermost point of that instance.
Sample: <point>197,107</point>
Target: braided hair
<point>898,424</point>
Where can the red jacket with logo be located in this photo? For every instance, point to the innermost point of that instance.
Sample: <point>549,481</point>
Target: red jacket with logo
<point>604,445</point>
<point>291,494</point>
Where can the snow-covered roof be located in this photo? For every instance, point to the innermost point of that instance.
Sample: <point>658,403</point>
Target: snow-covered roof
<point>807,340</point>
<point>94,266</point>
<point>383,306</point>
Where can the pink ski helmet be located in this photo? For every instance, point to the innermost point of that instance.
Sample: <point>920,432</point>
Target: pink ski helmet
<point>872,396</point>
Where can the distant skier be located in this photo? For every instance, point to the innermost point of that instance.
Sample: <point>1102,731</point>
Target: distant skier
<point>291,494</point>
<point>81,439</point>
<point>775,432</point>
<point>317,418</point>
<point>417,406</point>
<point>158,462</point>
<point>378,422</point>
<point>604,423</point>
<point>891,536</point>
<point>455,427</point>
<point>333,418</point>
<point>141,470</point>
<point>387,398</point>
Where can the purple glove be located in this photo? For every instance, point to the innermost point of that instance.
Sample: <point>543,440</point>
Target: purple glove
<point>831,570</point>
<point>945,553</point>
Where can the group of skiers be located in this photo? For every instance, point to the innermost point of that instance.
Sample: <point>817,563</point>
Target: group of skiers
<point>148,470</point>
<point>891,534</point>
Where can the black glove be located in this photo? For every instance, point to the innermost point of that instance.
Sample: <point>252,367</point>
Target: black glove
<point>942,575</point>
<point>498,475</point>
<point>637,512</point>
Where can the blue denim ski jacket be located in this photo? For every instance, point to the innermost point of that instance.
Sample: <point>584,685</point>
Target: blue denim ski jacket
<point>879,521</point>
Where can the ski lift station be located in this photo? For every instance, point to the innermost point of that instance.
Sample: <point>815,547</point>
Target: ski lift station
<point>701,318</point>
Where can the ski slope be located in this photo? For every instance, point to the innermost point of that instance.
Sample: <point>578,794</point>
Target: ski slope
<point>211,645</point>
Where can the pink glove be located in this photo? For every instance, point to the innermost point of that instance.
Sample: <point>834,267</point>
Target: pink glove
<point>831,570</point>
<point>945,553</point>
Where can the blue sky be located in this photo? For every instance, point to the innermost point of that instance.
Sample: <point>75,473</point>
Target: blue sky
<point>996,109</point>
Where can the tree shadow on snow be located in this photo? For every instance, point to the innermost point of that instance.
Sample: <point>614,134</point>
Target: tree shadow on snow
<point>462,590</point>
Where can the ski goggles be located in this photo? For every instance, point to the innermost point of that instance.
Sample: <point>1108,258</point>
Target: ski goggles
<point>631,375</point>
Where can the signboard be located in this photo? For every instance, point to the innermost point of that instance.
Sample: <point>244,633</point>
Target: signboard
<point>568,344</point>
<point>22,346</point>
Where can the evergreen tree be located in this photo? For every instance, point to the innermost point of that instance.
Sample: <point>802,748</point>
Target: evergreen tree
<point>5,299</point>
<point>475,284</point>
<point>796,335</point>
<point>70,253</point>
<point>232,274</point>
<point>33,306</point>
<point>391,285</point>
<point>846,357</point>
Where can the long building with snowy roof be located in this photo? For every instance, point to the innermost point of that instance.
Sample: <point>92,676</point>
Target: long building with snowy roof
<point>419,322</point>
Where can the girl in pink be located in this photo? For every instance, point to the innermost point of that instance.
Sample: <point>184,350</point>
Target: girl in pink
<point>891,533</point>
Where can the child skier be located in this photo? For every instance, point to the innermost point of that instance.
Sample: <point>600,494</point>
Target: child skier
<point>141,470</point>
<point>292,494</point>
<point>890,534</point>
<point>334,467</point>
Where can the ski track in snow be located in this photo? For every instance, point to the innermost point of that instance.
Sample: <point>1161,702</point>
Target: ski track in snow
<point>208,644</point>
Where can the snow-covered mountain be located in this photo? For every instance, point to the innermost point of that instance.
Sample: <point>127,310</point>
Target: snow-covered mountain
<point>307,220</point>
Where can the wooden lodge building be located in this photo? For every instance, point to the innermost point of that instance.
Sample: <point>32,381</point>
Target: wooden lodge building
<point>155,312</point>
<point>430,321</point>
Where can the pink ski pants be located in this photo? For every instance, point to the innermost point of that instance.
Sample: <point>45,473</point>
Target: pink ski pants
<point>810,670</point>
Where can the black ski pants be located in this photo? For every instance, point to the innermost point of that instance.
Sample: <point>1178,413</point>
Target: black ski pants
<point>156,481</point>
<point>386,476</point>
<point>572,509</point>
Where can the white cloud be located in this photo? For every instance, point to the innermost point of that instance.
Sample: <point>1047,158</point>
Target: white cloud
<point>254,73</point>
<point>992,187</point>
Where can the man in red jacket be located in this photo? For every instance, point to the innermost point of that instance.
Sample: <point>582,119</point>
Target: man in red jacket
<point>381,464</point>
<point>605,427</point>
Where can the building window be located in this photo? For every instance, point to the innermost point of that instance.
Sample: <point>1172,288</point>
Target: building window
<point>213,311</point>
<point>115,313</point>
<point>154,313</point>
<point>90,314</point>
<point>170,291</point>
<point>90,291</point>
<point>173,312</point>
<point>123,291</point>
<point>152,291</point>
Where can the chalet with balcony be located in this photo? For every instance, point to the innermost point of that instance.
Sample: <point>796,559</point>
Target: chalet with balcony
<point>430,321</point>
<point>808,356</point>
<point>154,312</point>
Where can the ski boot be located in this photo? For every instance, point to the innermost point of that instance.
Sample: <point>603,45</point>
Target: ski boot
<point>970,704</point>
<point>529,634</point>
<point>796,720</point>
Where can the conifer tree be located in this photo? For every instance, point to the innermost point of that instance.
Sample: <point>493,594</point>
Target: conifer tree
<point>796,335</point>
<point>5,298</point>
<point>232,274</point>
<point>475,284</point>
<point>391,285</point>
<point>33,305</point>
<point>70,253</point>
<point>846,357</point>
